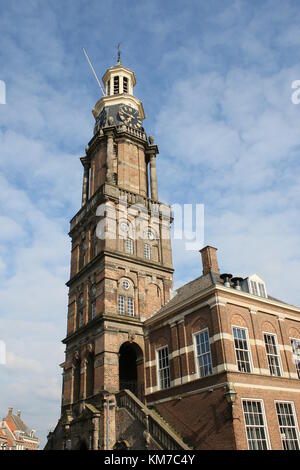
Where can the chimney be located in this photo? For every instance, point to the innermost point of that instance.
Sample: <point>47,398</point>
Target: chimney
<point>226,278</point>
<point>237,282</point>
<point>209,260</point>
<point>19,413</point>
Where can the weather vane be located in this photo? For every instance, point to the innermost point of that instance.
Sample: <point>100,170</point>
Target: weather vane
<point>119,53</point>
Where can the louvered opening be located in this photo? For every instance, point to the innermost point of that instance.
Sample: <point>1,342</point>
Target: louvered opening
<point>116,85</point>
<point>125,85</point>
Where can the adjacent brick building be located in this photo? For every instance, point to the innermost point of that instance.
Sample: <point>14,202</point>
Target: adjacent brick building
<point>215,365</point>
<point>15,434</point>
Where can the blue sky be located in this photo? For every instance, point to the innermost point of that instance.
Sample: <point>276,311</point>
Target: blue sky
<point>215,80</point>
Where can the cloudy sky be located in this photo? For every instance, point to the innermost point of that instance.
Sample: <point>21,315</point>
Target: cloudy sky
<point>215,80</point>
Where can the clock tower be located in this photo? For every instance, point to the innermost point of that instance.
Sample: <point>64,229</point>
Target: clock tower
<point>121,264</point>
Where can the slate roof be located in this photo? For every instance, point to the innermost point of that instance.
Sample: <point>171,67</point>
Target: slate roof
<point>191,288</point>
<point>197,285</point>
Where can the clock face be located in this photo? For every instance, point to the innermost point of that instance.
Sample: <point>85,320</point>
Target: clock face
<point>130,117</point>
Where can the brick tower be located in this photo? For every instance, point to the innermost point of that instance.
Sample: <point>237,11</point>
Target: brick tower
<point>121,260</point>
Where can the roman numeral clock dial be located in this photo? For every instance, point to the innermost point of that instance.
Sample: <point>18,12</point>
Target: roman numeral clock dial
<point>130,117</point>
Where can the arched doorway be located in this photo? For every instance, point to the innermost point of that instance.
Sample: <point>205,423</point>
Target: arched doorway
<point>131,369</point>
<point>83,445</point>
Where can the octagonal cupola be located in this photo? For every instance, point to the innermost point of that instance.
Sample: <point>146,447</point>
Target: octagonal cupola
<point>118,103</point>
<point>118,80</point>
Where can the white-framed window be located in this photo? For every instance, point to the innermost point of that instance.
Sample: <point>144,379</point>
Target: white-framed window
<point>288,426</point>
<point>121,305</point>
<point>256,425</point>
<point>203,353</point>
<point>147,251</point>
<point>242,349</point>
<point>296,354</point>
<point>130,306</point>
<point>129,246</point>
<point>126,305</point>
<point>273,356</point>
<point>93,310</point>
<point>163,367</point>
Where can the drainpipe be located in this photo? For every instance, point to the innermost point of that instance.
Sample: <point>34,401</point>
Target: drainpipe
<point>107,422</point>
<point>178,346</point>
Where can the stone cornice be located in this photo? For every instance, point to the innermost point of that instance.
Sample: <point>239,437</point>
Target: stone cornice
<point>121,257</point>
<point>236,298</point>
<point>113,193</point>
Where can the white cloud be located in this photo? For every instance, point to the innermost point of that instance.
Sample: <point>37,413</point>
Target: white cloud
<point>234,141</point>
<point>24,364</point>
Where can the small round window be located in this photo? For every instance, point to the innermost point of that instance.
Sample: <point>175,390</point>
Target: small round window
<point>124,227</point>
<point>151,235</point>
<point>126,284</point>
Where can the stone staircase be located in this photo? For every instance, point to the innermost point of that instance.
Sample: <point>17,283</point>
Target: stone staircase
<point>157,428</point>
<point>166,423</point>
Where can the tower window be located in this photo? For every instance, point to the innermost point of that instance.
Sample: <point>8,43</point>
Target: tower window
<point>163,367</point>
<point>147,251</point>
<point>77,377</point>
<point>242,349</point>
<point>93,310</point>
<point>125,85</point>
<point>80,318</point>
<point>116,85</point>
<point>121,305</point>
<point>108,88</point>
<point>151,234</point>
<point>129,246</point>
<point>203,353</point>
<point>94,243</point>
<point>272,354</point>
<point>130,307</point>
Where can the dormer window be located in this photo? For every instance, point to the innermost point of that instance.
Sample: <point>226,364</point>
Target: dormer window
<point>125,85</point>
<point>257,286</point>
<point>116,85</point>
